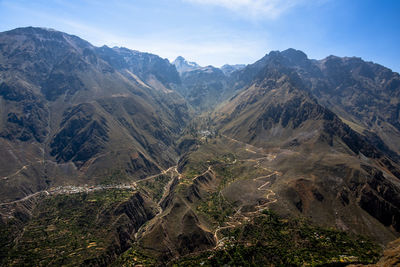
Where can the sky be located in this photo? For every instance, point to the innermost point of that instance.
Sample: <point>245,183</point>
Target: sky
<point>217,32</point>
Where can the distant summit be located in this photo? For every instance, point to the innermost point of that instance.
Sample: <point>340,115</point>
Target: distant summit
<point>228,69</point>
<point>182,65</point>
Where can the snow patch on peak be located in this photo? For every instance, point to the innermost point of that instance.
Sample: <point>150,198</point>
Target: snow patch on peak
<point>182,65</point>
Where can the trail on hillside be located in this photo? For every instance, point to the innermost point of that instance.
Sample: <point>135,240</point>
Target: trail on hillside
<point>24,167</point>
<point>240,217</point>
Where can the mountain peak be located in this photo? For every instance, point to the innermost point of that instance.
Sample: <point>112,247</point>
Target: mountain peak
<point>294,54</point>
<point>182,65</point>
<point>38,31</point>
<point>37,35</point>
<point>228,69</point>
<point>180,59</point>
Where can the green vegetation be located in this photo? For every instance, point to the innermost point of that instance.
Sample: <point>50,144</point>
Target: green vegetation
<point>271,240</point>
<point>190,172</point>
<point>115,176</point>
<point>134,256</point>
<point>216,208</point>
<point>156,186</point>
<point>69,229</point>
<point>227,158</point>
<point>225,172</point>
<point>8,233</point>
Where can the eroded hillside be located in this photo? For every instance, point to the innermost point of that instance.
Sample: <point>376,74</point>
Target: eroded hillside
<point>111,156</point>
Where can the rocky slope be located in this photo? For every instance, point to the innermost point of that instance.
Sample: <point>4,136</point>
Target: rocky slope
<point>363,94</point>
<point>102,143</point>
<point>71,111</point>
<point>204,87</point>
<point>277,113</point>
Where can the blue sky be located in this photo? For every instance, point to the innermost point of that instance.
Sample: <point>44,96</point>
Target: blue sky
<point>223,31</point>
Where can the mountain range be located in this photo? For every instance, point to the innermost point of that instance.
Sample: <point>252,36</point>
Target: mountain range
<point>111,156</point>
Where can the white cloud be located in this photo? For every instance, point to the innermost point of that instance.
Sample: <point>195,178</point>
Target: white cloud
<point>215,53</point>
<point>270,9</point>
<point>207,52</point>
<point>208,46</point>
<point>213,49</point>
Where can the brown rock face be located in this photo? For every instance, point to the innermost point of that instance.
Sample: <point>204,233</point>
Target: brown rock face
<point>390,258</point>
<point>391,255</point>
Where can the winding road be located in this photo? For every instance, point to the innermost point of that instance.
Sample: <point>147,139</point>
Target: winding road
<point>240,216</point>
<point>234,221</point>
